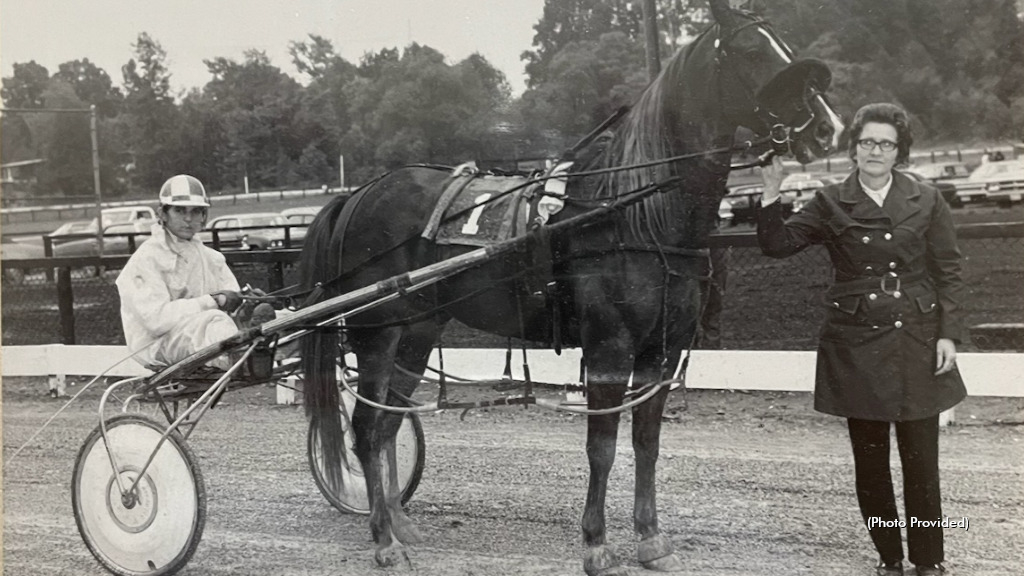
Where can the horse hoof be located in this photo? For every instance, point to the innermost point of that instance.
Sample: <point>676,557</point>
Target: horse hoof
<point>601,561</point>
<point>392,556</point>
<point>406,532</point>
<point>670,563</point>
<point>655,553</point>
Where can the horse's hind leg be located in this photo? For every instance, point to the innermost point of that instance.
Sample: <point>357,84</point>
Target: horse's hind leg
<point>413,353</point>
<point>654,550</point>
<point>376,351</point>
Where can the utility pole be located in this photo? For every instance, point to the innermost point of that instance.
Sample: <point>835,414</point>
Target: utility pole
<point>96,177</point>
<point>650,15</point>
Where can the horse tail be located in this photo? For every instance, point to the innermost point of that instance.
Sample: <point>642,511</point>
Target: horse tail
<point>321,348</point>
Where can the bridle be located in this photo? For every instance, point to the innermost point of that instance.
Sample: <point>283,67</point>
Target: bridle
<point>778,130</point>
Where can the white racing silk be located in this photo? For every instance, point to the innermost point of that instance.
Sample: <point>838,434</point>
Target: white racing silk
<point>166,309</point>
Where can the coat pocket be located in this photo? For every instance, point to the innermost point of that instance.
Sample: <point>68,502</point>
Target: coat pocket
<point>848,305</point>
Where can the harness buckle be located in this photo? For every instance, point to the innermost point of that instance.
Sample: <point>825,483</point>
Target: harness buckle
<point>885,289</point>
<point>780,139</point>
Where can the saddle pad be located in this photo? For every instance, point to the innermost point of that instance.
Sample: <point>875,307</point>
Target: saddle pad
<point>480,212</point>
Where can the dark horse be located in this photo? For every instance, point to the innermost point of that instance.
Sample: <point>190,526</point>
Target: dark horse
<point>632,280</point>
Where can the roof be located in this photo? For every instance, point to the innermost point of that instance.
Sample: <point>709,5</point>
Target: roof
<point>22,163</point>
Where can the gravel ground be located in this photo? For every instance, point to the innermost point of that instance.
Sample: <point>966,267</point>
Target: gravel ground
<point>749,483</point>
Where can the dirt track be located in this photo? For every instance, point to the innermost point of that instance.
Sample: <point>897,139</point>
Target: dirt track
<point>748,484</point>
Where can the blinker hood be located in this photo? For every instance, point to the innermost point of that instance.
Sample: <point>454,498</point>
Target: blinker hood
<point>789,84</point>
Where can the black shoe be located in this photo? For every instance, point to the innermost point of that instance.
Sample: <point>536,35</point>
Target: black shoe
<point>889,568</point>
<point>931,570</point>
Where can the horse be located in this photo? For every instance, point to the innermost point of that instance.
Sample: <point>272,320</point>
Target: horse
<point>631,281</point>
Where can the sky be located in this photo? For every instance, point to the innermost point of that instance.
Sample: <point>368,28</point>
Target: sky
<point>55,31</point>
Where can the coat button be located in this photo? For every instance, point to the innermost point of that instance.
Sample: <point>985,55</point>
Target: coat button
<point>892,265</point>
<point>872,296</point>
<point>897,294</point>
<point>836,304</point>
<point>866,239</point>
<point>868,269</point>
<point>932,305</point>
<point>888,236</point>
<point>898,324</point>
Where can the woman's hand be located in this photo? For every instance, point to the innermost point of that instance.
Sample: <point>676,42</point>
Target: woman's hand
<point>772,175</point>
<point>945,356</point>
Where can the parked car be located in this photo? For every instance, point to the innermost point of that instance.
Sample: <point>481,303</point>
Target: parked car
<point>134,233</point>
<point>725,214</point>
<point>939,171</point>
<point>18,251</point>
<point>231,229</point>
<point>1000,182</point>
<point>743,202</point>
<point>120,214</point>
<point>73,229</point>
<point>298,220</point>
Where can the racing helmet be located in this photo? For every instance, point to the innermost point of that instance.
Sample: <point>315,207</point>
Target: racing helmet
<point>183,190</point>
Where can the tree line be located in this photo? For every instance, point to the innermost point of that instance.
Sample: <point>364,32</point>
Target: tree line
<point>956,65</point>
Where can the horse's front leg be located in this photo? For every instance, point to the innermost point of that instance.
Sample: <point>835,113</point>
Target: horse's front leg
<point>606,388</point>
<point>654,551</point>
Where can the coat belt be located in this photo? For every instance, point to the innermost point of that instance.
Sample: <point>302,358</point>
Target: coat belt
<point>888,283</point>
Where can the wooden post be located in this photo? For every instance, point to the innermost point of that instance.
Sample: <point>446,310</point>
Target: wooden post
<point>66,305</point>
<point>277,276</point>
<point>48,252</point>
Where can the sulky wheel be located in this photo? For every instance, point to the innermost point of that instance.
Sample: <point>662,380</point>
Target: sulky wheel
<point>157,530</point>
<point>351,497</point>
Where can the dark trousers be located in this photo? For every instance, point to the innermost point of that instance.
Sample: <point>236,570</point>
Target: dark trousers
<point>918,442</point>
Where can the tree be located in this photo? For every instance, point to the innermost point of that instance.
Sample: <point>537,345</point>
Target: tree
<point>92,85</point>
<point>417,108</point>
<point>565,22</point>
<point>68,147</point>
<point>152,117</point>
<point>25,87</point>
<point>257,104</point>
<point>589,80</point>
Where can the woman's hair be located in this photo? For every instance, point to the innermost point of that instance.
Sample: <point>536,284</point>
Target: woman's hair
<point>883,113</point>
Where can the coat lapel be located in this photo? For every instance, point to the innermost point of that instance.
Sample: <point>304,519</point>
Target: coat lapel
<point>902,201</point>
<point>857,203</point>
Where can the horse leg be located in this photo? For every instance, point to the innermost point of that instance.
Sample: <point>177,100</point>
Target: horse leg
<point>413,354</point>
<point>606,387</point>
<point>654,550</point>
<point>376,350</point>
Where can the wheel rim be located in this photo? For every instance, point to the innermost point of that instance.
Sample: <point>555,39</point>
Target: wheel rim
<point>351,495</point>
<point>151,532</point>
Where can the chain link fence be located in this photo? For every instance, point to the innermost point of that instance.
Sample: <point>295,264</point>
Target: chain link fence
<point>769,304</point>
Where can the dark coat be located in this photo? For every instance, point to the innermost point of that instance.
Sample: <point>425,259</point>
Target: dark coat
<point>876,353</point>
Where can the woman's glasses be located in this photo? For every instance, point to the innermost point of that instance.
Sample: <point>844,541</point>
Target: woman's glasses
<point>867,145</point>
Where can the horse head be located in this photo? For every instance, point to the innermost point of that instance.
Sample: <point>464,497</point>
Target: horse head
<point>765,88</point>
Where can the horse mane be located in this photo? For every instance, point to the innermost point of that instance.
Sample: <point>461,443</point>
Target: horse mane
<point>644,136</point>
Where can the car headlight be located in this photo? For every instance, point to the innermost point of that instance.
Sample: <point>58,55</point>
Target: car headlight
<point>276,243</point>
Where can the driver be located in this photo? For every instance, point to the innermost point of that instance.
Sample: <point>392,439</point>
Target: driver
<point>177,295</point>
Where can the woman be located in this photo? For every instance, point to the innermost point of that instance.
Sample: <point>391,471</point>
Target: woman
<point>887,350</point>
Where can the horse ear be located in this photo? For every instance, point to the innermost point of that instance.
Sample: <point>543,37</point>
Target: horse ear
<point>722,12</point>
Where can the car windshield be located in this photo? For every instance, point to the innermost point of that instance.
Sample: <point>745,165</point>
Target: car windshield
<point>261,221</point>
<point>115,217</point>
